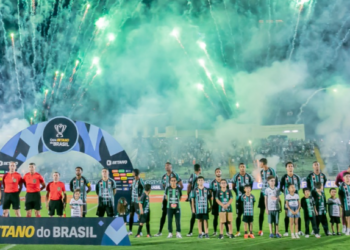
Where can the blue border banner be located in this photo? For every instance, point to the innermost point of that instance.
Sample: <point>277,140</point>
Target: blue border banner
<point>62,231</point>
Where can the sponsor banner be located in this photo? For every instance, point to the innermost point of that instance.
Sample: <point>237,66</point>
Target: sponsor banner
<point>6,163</point>
<point>157,187</point>
<point>61,231</point>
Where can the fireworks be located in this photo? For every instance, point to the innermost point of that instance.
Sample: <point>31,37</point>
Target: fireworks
<point>74,70</point>
<point>175,33</point>
<point>203,46</point>
<point>86,11</point>
<point>200,86</point>
<point>221,82</point>
<point>101,23</point>
<point>304,104</point>
<point>207,73</point>
<point>16,70</point>
<point>46,91</point>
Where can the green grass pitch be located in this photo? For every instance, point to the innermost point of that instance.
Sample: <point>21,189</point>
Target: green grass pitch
<point>161,243</point>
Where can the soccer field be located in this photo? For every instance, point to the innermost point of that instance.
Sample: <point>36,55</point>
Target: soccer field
<point>160,243</point>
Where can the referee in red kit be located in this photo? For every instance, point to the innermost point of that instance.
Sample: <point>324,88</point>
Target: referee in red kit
<point>32,181</point>
<point>55,196</point>
<point>13,183</point>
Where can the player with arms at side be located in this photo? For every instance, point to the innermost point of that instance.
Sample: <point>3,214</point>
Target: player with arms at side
<point>214,188</point>
<point>81,183</point>
<point>273,206</point>
<point>137,189</point>
<point>316,176</point>
<point>200,198</point>
<point>224,199</point>
<point>106,190</point>
<point>173,195</point>
<point>145,212</point>
<point>264,174</point>
<point>344,195</point>
<point>166,183</point>
<point>239,181</point>
<point>248,201</point>
<point>286,180</point>
<point>338,181</point>
<point>32,181</point>
<point>76,204</point>
<point>192,184</point>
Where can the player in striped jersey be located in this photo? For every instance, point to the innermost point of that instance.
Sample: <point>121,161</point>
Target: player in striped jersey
<point>286,180</point>
<point>334,206</point>
<point>166,183</point>
<point>321,207</point>
<point>248,201</point>
<point>214,188</point>
<point>173,195</point>
<point>81,183</point>
<point>344,194</point>
<point>238,183</point>
<point>315,176</point>
<point>224,199</point>
<point>264,174</point>
<point>145,212</point>
<point>105,189</point>
<point>137,189</point>
<point>192,184</point>
<point>200,198</point>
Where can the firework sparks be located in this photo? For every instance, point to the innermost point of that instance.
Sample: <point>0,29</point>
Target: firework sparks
<point>46,91</point>
<point>201,88</point>
<point>16,70</point>
<point>304,104</point>
<point>221,82</point>
<point>74,70</point>
<point>296,31</point>
<point>203,46</point>
<point>175,33</point>
<point>33,7</point>
<point>207,73</point>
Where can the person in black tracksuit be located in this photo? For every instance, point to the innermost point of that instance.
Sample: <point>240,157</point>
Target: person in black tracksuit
<point>309,206</point>
<point>173,195</point>
<point>166,183</point>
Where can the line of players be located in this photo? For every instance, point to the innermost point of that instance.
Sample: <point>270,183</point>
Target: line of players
<point>218,199</point>
<point>56,197</point>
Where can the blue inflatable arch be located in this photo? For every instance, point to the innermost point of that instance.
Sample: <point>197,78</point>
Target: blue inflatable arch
<point>61,135</point>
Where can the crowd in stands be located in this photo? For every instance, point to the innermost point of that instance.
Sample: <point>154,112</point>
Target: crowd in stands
<point>184,152</point>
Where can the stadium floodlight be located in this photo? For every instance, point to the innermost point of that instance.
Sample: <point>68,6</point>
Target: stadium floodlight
<point>295,131</point>
<point>286,131</point>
